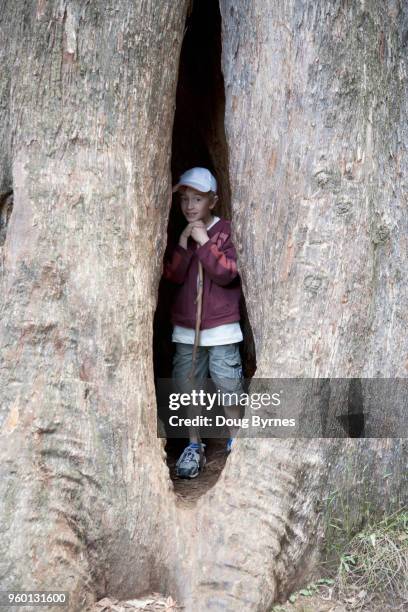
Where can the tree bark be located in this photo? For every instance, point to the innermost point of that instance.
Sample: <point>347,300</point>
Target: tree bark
<point>84,484</point>
<point>316,116</point>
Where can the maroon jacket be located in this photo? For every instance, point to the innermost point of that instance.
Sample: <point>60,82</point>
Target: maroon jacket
<point>222,284</point>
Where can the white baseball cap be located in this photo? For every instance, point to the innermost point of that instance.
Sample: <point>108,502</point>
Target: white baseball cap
<point>198,178</point>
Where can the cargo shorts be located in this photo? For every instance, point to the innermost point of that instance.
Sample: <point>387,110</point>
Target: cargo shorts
<point>222,363</point>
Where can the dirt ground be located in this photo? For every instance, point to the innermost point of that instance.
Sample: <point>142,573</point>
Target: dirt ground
<point>317,603</point>
<point>327,602</point>
<point>155,602</point>
<point>189,490</point>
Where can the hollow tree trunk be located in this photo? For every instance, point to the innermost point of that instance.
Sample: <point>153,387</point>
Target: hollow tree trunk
<point>317,175</point>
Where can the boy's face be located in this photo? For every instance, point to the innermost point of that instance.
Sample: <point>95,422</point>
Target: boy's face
<point>196,205</point>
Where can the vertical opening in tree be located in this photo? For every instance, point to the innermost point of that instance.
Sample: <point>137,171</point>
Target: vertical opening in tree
<point>198,140</point>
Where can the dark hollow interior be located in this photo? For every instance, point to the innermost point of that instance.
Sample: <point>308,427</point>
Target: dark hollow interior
<point>198,140</point>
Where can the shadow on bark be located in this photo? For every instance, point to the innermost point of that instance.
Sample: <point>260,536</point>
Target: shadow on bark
<point>6,208</point>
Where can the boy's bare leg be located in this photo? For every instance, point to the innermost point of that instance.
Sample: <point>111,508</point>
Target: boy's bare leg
<point>193,432</point>
<point>193,435</point>
<point>233,412</point>
<point>195,410</point>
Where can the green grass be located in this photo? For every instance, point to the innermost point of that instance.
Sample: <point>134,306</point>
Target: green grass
<point>371,566</point>
<point>376,560</point>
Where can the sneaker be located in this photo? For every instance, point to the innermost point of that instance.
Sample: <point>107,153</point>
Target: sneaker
<point>188,464</point>
<point>230,444</point>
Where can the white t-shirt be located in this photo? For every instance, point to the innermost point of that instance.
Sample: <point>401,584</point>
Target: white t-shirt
<point>214,336</point>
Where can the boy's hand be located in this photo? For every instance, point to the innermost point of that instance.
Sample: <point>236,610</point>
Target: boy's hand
<point>195,229</point>
<point>199,232</point>
<point>184,236</point>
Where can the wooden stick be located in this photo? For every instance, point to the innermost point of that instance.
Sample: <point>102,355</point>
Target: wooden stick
<point>199,302</point>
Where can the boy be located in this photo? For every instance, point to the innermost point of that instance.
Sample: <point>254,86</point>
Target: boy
<point>206,238</point>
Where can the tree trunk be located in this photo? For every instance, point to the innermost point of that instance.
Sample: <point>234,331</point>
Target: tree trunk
<point>315,119</point>
<point>84,486</point>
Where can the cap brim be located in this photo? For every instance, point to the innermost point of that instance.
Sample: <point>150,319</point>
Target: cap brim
<point>190,184</point>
